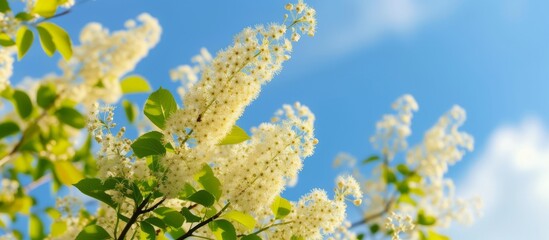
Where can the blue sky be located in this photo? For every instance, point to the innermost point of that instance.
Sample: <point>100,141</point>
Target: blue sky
<point>490,56</point>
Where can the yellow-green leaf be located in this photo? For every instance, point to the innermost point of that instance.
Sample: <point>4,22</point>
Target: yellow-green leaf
<point>46,40</point>
<point>36,229</point>
<point>23,39</point>
<point>67,173</point>
<point>281,207</point>
<point>236,135</point>
<point>5,40</point>
<point>135,84</point>
<point>60,39</point>
<point>45,8</point>
<point>58,228</point>
<point>245,219</point>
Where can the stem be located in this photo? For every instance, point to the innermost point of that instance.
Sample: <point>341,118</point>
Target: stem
<point>367,219</point>
<point>138,211</point>
<point>267,227</point>
<point>201,224</point>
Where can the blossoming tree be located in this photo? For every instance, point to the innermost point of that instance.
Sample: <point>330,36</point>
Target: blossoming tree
<point>191,173</point>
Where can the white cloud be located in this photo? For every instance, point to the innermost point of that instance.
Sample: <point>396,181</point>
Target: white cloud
<point>351,24</point>
<point>512,177</point>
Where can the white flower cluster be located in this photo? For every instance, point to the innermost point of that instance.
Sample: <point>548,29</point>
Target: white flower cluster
<point>188,75</point>
<point>112,160</point>
<point>94,71</point>
<point>347,185</point>
<point>6,66</point>
<point>392,130</point>
<point>303,19</point>
<point>69,210</point>
<point>230,82</point>
<point>313,217</point>
<point>441,201</point>
<point>255,172</point>
<point>8,189</point>
<point>442,145</point>
<point>399,224</point>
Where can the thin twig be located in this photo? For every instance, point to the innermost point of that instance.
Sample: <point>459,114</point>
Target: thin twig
<point>201,224</point>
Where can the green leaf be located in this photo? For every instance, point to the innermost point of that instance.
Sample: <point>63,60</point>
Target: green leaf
<point>148,144</point>
<point>223,229</point>
<point>147,231</point>
<point>93,232</point>
<point>4,6</point>
<point>203,198</point>
<point>251,237</point>
<point>426,220</point>
<point>130,109</point>
<point>403,187</point>
<point>67,173</point>
<point>5,40</point>
<point>45,8</point>
<point>170,217</point>
<point>24,16</point>
<point>281,207</point>
<point>71,117</point>
<point>374,228</point>
<point>58,228</point>
<point>134,84</point>
<point>208,181</point>
<point>36,229</point>
<point>8,128</point>
<point>22,103</point>
<point>236,135</point>
<point>405,198</point>
<point>23,40</point>
<point>46,95</point>
<point>46,40</point>
<point>96,188</point>
<point>60,39</point>
<point>294,237</point>
<point>370,159</point>
<point>189,216</point>
<point>156,222</point>
<point>243,218</point>
<point>389,175</point>
<point>53,213</point>
<point>159,106</point>
<point>403,169</point>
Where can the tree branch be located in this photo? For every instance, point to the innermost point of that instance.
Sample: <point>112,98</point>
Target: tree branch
<point>367,219</point>
<point>201,224</point>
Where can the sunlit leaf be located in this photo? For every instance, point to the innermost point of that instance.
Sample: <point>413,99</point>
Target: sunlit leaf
<point>93,232</point>
<point>281,207</point>
<point>67,173</point>
<point>59,37</point>
<point>159,106</point>
<point>135,84</point>
<point>23,40</point>
<point>5,40</point>
<point>208,181</point>
<point>243,218</point>
<point>45,8</point>
<point>36,229</point>
<point>236,135</point>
